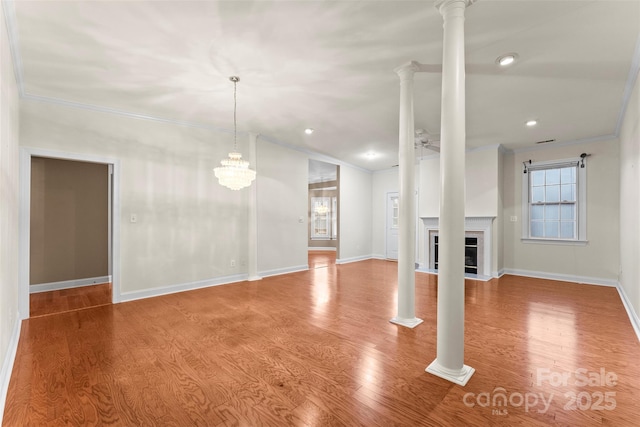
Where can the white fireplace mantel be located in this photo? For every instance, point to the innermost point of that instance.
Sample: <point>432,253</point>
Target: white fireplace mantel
<point>482,224</point>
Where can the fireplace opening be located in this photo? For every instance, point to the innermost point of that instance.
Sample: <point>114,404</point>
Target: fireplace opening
<point>470,254</point>
<point>478,250</point>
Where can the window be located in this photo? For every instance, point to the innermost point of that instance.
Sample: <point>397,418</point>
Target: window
<point>395,212</point>
<point>324,218</point>
<point>334,218</point>
<point>554,201</point>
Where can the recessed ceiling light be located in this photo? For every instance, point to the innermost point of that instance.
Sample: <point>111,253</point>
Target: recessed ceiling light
<point>308,131</point>
<point>531,123</point>
<point>371,155</point>
<point>506,59</point>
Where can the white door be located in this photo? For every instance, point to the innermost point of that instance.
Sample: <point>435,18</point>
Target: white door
<point>393,209</point>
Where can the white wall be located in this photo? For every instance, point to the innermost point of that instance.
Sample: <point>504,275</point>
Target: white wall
<point>599,260</point>
<point>9,126</point>
<point>630,201</point>
<point>355,214</point>
<point>481,184</point>
<point>282,186</point>
<point>383,182</point>
<point>189,227</point>
<point>483,195</point>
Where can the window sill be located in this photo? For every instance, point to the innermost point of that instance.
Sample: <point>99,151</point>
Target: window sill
<point>554,241</point>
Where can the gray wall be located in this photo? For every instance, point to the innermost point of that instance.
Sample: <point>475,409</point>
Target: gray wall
<point>69,220</point>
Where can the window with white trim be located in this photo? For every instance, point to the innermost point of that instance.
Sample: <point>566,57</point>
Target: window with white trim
<point>554,201</point>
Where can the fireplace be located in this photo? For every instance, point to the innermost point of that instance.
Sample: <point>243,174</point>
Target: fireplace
<point>473,253</point>
<point>478,250</point>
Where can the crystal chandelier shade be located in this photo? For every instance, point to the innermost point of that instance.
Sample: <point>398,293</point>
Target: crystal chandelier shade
<point>322,209</point>
<point>234,173</point>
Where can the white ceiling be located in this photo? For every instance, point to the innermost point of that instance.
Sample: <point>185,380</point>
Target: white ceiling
<point>329,65</point>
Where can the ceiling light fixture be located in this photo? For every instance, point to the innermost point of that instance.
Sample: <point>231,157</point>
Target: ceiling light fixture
<point>234,172</point>
<point>308,131</point>
<point>506,59</point>
<point>322,209</point>
<point>531,123</point>
<point>370,155</point>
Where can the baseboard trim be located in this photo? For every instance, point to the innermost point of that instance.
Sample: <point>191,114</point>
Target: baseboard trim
<point>353,259</point>
<point>172,289</point>
<point>319,248</point>
<point>469,276</point>
<point>7,366</point>
<point>286,270</point>
<point>562,277</point>
<point>68,284</point>
<point>633,316</point>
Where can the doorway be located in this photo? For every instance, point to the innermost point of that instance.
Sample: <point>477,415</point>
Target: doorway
<point>393,209</point>
<point>324,207</point>
<point>67,254</point>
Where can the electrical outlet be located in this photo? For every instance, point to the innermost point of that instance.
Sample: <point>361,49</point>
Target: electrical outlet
<point>232,263</point>
<point>514,218</point>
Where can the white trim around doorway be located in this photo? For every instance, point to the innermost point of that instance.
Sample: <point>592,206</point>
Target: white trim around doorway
<point>24,219</point>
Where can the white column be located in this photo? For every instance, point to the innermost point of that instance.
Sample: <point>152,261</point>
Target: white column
<point>252,261</point>
<point>449,363</point>
<point>406,220</point>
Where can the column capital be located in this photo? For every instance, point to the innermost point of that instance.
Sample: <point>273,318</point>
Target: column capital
<point>441,5</point>
<point>407,70</point>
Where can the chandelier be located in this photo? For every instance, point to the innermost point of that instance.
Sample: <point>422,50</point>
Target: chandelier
<point>322,209</point>
<point>234,172</point>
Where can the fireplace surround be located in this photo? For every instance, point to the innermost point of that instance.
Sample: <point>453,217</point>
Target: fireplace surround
<point>478,230</point>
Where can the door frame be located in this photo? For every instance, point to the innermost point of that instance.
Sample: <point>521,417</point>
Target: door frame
<point>24,219</point>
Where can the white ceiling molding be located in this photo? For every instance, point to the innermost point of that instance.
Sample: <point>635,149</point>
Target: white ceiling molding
<point>312,154</point>
<point>12,33</point>
<point>628,88</point>
<point>541,147</point>
<point>119,112</point>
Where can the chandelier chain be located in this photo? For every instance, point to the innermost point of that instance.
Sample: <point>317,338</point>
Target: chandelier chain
<point>235,130</point>
<point>234,172</point>
<point>235,103</point>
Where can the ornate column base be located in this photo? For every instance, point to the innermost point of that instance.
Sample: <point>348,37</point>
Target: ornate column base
<point>461,377</point>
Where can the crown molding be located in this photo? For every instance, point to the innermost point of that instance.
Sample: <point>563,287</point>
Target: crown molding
<point>12,31</point>
<point>543,147</point>
<point>129,114</point>
<point>628,89</point>
<point>133,115</point>
<point>313,155</point>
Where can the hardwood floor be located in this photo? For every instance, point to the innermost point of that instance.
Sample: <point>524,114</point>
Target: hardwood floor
<point>43,303</point>
<point>316,348</point>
